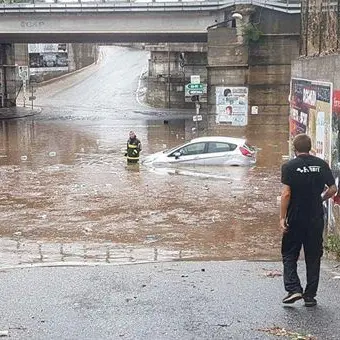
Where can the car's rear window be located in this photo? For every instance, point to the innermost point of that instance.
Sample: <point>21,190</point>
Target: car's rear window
<point>220,147</point>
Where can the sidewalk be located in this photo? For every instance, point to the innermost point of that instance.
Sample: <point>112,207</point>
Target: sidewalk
<point>17,112</point>
<point>169,300</point>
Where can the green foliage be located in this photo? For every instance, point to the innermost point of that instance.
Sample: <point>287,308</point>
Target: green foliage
<point>333,245</point>
<point>251,33</point>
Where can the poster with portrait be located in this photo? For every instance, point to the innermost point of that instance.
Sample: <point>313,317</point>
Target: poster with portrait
<point>232,105</point>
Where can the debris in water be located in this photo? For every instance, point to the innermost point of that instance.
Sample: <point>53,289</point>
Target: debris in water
<point>87,230</point>
<point>272,273</point>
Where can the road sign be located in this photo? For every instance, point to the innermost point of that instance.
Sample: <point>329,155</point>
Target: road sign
<point>197,118</point>
<point>191,92</point>
<point>195,79</point>
<point>196,90</point>
<point>195,86</point>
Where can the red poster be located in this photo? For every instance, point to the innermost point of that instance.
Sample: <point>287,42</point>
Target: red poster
<point>336,102</point>
<point>296,127</point>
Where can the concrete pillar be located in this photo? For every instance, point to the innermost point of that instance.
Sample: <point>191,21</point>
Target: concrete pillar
<point>247,12</point>
<point>7,75</point>
<point>227,63</point>
<point>170,68</point>
<point>256,54</point>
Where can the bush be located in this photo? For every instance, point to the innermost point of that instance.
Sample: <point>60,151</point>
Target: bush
<point>251,33</point>
<point>333,245</point>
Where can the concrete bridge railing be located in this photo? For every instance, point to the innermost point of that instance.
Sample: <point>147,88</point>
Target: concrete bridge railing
<point>60,6</point>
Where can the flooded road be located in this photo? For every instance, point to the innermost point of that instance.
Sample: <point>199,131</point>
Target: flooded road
<point>67,194</point>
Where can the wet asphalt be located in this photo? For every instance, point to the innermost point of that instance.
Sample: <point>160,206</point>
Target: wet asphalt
<point>160,301</point>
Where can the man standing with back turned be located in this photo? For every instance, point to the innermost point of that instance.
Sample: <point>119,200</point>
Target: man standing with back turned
<point>307,182</point>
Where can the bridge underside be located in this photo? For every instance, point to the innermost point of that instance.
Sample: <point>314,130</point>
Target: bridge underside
<point>114,37</point>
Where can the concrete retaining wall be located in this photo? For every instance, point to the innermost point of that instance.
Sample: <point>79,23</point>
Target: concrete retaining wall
<point>180,61</point>
<point>79,55</point>
<point>321,69</point>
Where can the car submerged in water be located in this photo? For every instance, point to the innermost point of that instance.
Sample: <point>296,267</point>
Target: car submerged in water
<point>206,151</point>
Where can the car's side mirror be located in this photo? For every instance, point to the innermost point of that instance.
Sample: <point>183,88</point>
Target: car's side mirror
<point>177,154</point>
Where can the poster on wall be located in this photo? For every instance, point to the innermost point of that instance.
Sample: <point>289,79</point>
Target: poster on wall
<point>334,207</point>
<point>2,88</point>
<point>311,113</point>
<point>232,105</point>
<point>47,57</point>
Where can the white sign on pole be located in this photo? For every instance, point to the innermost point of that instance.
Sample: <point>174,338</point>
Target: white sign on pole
<point>195,79</point>
<point>254,110</point>
<point>23,72</point>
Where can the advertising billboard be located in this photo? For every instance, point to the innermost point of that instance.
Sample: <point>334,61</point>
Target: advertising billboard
<point>315,110</point>
<point>311,113</point>
<point>47,57</point>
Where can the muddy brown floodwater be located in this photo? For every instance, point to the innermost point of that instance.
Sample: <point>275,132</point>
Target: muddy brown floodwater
<point>67,194</point>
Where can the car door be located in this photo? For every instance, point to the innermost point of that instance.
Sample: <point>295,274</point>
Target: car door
<point>219,153</point>
<point>189,154</point>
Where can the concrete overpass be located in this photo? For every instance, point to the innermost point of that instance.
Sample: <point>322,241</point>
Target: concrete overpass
<point>185,21</point>
<point>230,57</point>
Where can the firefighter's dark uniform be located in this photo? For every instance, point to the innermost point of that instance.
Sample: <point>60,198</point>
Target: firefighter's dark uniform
<point>133,149</point>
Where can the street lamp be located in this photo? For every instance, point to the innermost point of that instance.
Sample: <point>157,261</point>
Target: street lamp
<point>237,16</point>
<point>234,16</point>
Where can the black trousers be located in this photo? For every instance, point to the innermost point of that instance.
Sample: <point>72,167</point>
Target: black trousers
<point>309,234</point>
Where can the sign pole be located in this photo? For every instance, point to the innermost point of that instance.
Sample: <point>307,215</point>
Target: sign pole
<point>24,90</point>
<point>197,104</point>
<point>32,96</point>
<point>23,74</point>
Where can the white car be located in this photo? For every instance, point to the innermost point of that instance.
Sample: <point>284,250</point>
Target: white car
<point>206,151</point>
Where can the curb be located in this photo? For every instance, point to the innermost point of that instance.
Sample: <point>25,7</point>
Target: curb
<point>52,80</point>
<point>17,112</point>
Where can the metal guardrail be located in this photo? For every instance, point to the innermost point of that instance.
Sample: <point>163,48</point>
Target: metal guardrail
<point>288,6</point>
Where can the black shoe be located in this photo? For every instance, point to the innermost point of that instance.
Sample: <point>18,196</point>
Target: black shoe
<point>309,301</point>
<point>292,297</point>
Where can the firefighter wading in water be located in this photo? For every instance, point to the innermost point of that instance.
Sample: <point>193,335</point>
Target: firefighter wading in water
<point>133,148</point>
